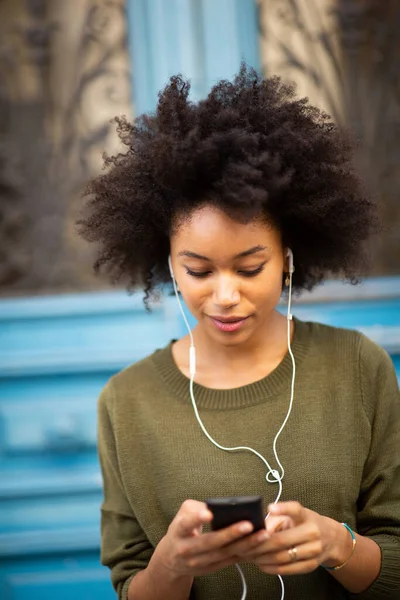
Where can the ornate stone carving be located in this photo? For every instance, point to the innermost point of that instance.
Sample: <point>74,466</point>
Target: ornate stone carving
<point>344,55</point>
<point>63,75</point>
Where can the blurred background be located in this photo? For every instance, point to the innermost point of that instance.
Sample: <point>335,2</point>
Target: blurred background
<point>67,67</point>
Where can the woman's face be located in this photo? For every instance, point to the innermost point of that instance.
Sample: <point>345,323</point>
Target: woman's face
<point>229,273</point>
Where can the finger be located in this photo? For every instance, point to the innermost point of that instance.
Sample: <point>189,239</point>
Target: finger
<point>235,549</point>
<point>289,509</point>
<point>217,540</point>
<point>249,544</point>
<point>191,515</point>
<point>296,536</point>
<point>274,524</point>
<point>308,551</point>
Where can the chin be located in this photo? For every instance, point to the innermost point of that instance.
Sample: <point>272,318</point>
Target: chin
<point>237,338</point>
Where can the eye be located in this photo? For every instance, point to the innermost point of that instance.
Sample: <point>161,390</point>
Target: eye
<point>243,273</point>
<point>254,272</point>
<point>199,275</point>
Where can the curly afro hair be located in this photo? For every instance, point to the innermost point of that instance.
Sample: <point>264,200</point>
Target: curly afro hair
<point>252,149</point>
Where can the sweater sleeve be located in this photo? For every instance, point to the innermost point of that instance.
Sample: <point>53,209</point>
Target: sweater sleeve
<point>125,548</point>
<point>378,507</point>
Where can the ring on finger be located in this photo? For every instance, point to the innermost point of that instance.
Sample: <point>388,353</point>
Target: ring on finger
<point>293,554</point>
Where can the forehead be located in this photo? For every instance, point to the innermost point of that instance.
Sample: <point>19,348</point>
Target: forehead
<point>210,231</point>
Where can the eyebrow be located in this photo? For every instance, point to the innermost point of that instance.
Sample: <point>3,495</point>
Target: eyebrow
<point>249,252</point>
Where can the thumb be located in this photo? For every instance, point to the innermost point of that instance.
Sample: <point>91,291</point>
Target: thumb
<point>274,524</point>
<point>190,518</point>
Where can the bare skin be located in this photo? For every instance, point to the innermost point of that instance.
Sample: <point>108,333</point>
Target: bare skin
<point>220,286</point>
<point>228,360</point>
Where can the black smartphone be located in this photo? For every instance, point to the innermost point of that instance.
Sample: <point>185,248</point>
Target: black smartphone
<point>228,511</point>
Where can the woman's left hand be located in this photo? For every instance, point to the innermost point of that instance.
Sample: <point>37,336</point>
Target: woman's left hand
<point>300,540</point>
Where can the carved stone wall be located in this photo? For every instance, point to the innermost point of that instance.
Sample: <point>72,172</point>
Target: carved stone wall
<point>299,42</point>
<point>345,55</point>
<point>64,73</point>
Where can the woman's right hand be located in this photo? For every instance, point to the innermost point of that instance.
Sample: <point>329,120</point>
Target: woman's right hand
<point>185,550</point>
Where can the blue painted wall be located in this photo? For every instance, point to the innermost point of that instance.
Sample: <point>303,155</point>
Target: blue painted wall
<point>55,356</point>
<point>56,353</point>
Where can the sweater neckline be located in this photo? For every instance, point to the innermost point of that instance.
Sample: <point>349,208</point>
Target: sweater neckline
<point>247,395</point>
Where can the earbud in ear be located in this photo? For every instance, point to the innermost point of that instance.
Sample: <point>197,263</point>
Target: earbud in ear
<point>172,273</point>
<point>289,255</point>
<point>170,267</point>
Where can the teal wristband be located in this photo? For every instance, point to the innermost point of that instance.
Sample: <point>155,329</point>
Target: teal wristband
<point>353,537</point>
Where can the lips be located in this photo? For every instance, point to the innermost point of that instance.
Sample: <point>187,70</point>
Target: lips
<point>228,319</point>
<point>228,324</point>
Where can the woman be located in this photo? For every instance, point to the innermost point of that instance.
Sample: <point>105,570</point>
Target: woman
<point>230,189</point>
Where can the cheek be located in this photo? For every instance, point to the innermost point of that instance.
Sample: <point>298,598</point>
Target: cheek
<point>267,288</point>
<point>267,297</point>
<point>195,296</point>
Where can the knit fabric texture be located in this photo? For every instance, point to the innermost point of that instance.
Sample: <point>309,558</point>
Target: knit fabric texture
<point>340,450</point>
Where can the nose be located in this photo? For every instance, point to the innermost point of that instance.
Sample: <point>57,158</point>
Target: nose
<point>226,292</point>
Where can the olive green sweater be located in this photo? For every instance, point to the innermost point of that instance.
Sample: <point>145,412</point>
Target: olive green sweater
<point>340,450</point>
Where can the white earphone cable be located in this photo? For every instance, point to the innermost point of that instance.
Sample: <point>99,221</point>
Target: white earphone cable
<point>277,477</point>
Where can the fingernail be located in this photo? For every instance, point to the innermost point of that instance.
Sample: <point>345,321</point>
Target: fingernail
<point>205,515</point>
<point>245,528</point>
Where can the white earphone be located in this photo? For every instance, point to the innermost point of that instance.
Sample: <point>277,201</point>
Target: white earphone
<point>171,272</point>
<point>273,475</point>
<point>289,255</point>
